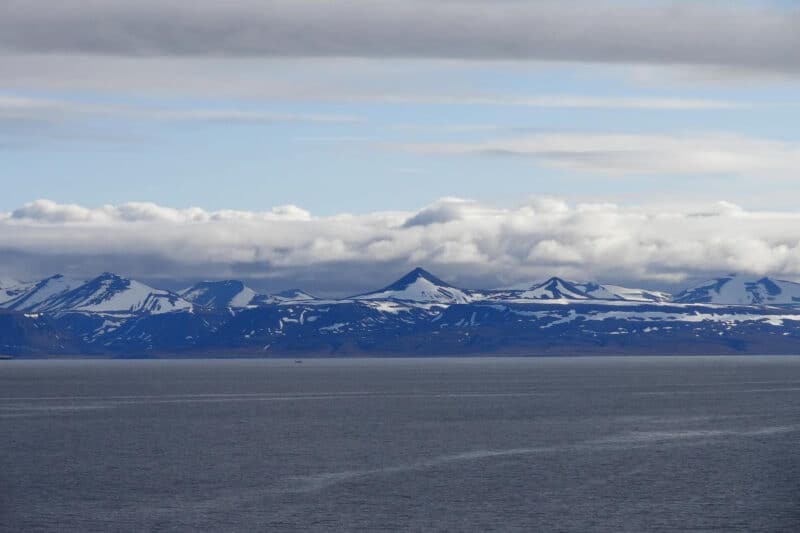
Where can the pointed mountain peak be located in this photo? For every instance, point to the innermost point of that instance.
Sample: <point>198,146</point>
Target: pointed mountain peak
<point>110,281</point>
<point>419,285</point>
<point>108,275</point>
<point>555,280</point>
<point>556,288</point>
<point>416,274</point>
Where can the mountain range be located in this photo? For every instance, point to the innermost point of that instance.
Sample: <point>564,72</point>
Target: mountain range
<point>417,315</point>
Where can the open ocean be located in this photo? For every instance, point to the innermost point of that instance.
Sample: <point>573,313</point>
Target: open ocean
<point>542,444</point>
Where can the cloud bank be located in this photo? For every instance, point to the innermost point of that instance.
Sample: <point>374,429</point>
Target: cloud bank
<point>733,33</point>
<point>463,241</point>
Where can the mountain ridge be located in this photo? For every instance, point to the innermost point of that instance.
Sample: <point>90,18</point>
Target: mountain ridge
<point>738,289</point>
<point>418,314</point>
<point>419,285</point>
<point>219,294</point>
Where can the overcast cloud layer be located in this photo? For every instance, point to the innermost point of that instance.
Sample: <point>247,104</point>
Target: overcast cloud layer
<point>462,241</point>
<point>731,34</point>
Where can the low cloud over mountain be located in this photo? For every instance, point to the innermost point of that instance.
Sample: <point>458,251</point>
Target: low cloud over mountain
<point>471,243</point>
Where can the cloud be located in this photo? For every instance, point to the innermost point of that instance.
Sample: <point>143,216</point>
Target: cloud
<point>27,122</point>
<point>575,102</point>
<point>341,80</point>
<point>632,155</point>
<point>49,212</point>
<point>735,34</point>
<point>20,108</point>
<point>445,210</point>
<point>463,241</point>
<point>239,116</point>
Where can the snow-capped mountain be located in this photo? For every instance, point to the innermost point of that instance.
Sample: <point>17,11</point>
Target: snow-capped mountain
<point>615,292</point>
<point>234,294</point>
<point>418,285</point>
<point>560,289</point>
<point>290,295</point>
<point>555,289</point>
<point>11,289</point>
<point>35,296</point>
<point>219,294</point>
<point>112,294</point>
<point>739,289</point>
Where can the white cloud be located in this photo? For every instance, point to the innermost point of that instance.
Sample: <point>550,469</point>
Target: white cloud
<point>466,242</point>
<point>647,154</point>
<point>49,212</point>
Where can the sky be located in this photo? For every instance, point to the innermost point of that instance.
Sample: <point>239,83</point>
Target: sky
<point>332,143</point>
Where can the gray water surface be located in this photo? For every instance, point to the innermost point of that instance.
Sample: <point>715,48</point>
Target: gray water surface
<point>557,444</point>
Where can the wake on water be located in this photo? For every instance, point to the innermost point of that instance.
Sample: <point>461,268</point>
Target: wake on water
<point>623,440</point>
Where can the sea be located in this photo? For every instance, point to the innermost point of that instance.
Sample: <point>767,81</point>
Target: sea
<point>578,444</point>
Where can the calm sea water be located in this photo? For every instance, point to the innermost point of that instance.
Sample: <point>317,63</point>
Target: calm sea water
<point>582,444</point>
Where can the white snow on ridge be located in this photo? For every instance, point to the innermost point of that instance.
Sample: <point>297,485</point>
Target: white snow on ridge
<point>557,289</point>
<point>634,295</point>
<point>738,289</point>
<point>290,296</point>
<point>220,294</point>
<point>554,289</point>
<point>36,295</point>
<point>136,297</point>
<point>294,295</point>
<point>420,290</point>
<point>111,294</point>
<point>243,299</point>
<point>419,286</point>
<point>388,306</point>
<point>9,283</point>
<point>11,288</point>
